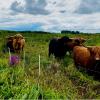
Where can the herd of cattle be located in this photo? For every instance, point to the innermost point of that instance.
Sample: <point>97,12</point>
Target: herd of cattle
<point>87,57</point>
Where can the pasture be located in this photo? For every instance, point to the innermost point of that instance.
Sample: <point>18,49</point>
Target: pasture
<point>57,80</point>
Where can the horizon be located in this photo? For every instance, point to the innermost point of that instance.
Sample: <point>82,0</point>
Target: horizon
<point>60,32</point>
<point>50,15</point>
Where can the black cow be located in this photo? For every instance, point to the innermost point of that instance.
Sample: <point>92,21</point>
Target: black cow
<point>58,47</point>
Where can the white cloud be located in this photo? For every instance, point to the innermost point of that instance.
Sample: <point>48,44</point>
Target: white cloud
<point>66,5</point>
<point>61,15</point>
<point>36,7</point>
<point>89,6</point>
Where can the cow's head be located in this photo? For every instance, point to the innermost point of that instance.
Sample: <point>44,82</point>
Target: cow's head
<point>95,52</point>
<point>64,40</point>
<point>78,41</point>
<point>95,56</point>
<point>18,37</point>
<point>72,42</point>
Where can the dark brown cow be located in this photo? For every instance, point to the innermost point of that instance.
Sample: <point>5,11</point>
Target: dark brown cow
<point>87,57</point>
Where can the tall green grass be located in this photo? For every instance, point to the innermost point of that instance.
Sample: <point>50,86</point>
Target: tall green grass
<point>59,79</point>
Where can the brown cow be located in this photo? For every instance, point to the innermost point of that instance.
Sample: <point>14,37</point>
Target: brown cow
<point>15,43</point>
<point>81,56</point>
<point>18,43</point>
<point>87,57</point>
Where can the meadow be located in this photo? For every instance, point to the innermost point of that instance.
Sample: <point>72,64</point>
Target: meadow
<point>57,79</point>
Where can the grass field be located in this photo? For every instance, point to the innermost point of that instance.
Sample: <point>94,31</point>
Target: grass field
<point>57,80</point>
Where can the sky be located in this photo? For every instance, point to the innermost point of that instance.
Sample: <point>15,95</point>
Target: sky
<point>50,15</point>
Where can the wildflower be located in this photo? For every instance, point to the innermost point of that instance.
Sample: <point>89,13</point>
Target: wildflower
<point>14,60</point>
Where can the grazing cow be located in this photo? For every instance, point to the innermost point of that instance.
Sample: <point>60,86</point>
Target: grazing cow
<point>18,43</point>
<point>57,47</point>
<point>15,43</point>
<point>87,57</point>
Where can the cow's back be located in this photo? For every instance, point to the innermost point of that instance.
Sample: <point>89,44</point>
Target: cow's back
<point>81,56</point>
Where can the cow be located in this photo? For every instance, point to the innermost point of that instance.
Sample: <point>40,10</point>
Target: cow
<point>60,46</point>
<point>18,43</point>
<point>87,58</point>
<point>15,43</point>
<point>81,56</point>
<point>57,46</point>
<point>95,56</point>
